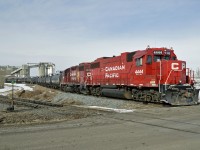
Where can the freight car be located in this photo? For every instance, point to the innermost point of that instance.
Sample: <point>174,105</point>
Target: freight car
<point>52,81</point>
<point>76,79</point>
<point>55,81</point>
<point>10,79</point>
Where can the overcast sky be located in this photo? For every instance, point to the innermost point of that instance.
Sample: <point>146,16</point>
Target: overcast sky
<point>68,32</point>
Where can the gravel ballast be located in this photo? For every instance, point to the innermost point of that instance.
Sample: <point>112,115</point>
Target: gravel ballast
<point>88,100</point>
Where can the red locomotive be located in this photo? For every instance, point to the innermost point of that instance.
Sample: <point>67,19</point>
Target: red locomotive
<point>151,75</point>
<point>76,78</point>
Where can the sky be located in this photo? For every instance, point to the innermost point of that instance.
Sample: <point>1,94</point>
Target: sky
<point>68,32</point>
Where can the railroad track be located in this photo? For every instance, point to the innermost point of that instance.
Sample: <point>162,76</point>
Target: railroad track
<point>29,103</point>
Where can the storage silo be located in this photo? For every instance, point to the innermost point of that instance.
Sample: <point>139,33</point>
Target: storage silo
<point>42,69</point>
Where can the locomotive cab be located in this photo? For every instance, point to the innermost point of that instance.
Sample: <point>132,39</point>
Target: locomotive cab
<point>160,77</point>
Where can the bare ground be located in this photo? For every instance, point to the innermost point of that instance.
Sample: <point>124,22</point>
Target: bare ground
<point>25,115</point>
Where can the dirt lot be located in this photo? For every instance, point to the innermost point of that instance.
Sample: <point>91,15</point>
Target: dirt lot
<point>24,116</point>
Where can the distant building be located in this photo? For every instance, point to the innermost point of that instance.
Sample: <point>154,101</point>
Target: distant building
<point>5,71</point>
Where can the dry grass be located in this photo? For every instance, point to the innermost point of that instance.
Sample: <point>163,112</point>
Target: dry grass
<point>38,93</point>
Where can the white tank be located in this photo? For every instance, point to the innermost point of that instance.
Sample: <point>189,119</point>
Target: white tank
<point>42,70</point>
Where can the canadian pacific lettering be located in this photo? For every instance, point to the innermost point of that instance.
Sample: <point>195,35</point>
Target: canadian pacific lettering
<point>115,68</point>
<point>111,75</point>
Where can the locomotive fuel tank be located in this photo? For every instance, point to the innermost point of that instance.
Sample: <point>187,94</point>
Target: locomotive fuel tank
<point>117,93</point>
<point>69,89</point>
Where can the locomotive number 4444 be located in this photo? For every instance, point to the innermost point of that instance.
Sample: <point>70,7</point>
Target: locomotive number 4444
<point>139,72</point>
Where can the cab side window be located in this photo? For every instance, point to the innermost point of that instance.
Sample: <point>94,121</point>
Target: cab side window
<point>157,58</point>
<point>166,57</point>
<point>149,59</point>
<point>139,61</point>
<point>174,58</point>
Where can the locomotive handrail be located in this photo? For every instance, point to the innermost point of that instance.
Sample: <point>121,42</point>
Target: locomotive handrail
<point>160,75</point>
<point>190,74</point>
<point>168,78</point>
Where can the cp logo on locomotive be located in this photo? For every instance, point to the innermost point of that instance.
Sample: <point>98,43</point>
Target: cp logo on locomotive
<point>175,66</point>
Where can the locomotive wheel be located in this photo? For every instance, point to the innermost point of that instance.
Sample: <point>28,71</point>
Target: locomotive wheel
<point>93,91</point>
<point>88,91</point>
<point>77,90</point>
<point>148,98</point>
<point>98,91</point>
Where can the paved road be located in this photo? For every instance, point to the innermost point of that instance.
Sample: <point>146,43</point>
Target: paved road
<point>155,129</point>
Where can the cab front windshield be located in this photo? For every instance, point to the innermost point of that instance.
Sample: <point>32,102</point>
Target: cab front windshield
<point>158,58</point>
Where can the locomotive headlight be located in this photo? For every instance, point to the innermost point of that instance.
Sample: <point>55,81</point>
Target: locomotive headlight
<point>183,65</point>
<point>180,82</point>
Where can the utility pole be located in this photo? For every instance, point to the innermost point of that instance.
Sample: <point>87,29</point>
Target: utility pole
<point>11,108</point>
<point>12,102</point>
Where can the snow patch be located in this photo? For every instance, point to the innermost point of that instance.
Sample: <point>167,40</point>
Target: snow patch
<point>8,88</point>
<point>109,109</point>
